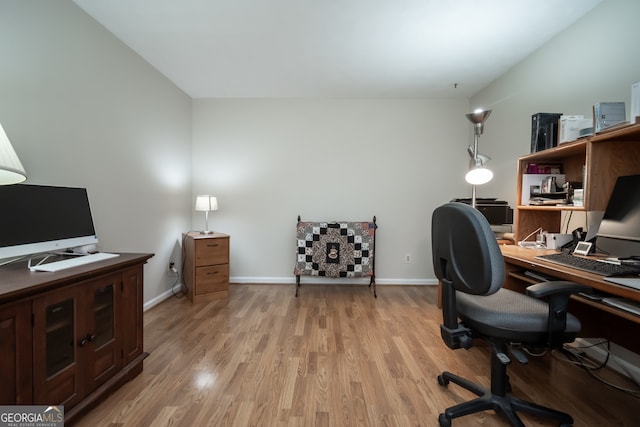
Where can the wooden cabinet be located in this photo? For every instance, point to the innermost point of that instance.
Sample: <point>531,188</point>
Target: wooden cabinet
<point>70,337</point>
<point>598,161</point>
<point>206,266</point>
<point>15,354</point>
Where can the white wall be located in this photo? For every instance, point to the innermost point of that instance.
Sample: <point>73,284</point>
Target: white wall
<point>81,109</point>
<point>594,60</point>
<point>328,159</point>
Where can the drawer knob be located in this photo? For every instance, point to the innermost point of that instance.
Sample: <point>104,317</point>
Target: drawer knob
<point>212,272</point>
<point>212,245</point>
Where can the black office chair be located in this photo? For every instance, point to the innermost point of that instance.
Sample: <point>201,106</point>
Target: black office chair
<point>470,267</point>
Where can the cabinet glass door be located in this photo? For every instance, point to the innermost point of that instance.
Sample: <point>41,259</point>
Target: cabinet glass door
<point>55,347</point>
<point>102,351</point>
<point>59,335</point>
<point>103,315</point>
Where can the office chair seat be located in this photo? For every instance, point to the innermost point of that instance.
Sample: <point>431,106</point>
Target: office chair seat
<point>512,316</point>
<point>470,267</point>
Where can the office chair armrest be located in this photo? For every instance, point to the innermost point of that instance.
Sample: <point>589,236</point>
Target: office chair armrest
<point>545,289</point>
<point>558,293</point>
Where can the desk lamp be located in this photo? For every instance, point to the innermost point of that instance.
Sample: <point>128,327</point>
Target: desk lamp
<point>478,174</point>
<point>205,203</point>
<point>11,170</point>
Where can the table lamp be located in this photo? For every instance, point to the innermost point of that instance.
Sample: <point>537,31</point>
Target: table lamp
<point>206,203</point>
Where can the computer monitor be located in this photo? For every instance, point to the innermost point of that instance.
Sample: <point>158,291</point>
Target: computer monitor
<point>38,219</point>
<point>619,230</point>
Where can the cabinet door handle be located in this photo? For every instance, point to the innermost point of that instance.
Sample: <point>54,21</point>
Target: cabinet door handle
<point>85,340</point>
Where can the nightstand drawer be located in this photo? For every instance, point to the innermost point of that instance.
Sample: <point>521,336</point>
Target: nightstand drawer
<point>212,279</point>
<point>211,251</point>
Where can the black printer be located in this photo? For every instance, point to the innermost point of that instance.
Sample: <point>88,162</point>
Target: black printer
<point>496,211</point>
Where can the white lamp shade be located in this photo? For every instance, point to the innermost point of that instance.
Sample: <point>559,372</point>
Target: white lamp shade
<point>479,176</point>
<point>11,170</point>
<point>206,203</point>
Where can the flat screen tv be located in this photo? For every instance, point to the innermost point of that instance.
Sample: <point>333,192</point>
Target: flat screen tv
<point>43,219</point>
<point>621,219</point>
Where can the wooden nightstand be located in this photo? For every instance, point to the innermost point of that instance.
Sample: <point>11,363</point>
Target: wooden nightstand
<point>206,265</point>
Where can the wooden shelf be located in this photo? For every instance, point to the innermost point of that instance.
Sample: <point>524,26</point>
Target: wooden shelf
<point>551,208</point>
<point>596,161</point>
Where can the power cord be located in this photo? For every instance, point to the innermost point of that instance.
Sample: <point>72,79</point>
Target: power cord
<point>576,356</point>
<point>182,291</point>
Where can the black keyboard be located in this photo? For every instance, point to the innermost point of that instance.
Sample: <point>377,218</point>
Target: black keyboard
<point>590,265</point>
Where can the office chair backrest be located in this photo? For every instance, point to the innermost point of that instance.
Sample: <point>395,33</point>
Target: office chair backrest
<point>465,250</point>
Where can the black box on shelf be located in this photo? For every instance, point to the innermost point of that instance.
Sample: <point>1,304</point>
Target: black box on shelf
<point>544,131</point>
<point>497,212</point>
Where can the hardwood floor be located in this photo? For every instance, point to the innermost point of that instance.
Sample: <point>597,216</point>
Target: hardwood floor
<point>334,356</point>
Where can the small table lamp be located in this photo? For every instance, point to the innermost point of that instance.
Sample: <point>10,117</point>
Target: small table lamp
<point>205,204</point>
<point>11,170</point>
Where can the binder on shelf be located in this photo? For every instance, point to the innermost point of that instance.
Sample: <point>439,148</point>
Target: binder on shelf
<point>547,168</point>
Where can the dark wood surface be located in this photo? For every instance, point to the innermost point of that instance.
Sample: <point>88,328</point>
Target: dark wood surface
<point>94,370</point>
<point>17,281</point>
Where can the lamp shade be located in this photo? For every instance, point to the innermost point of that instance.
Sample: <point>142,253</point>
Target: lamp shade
<point>479,175</point>
<point>206,203</point>
<point>11,170</point>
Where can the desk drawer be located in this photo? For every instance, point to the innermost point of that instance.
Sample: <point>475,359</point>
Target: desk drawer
<point>212,279</point>
<point>211,251</point>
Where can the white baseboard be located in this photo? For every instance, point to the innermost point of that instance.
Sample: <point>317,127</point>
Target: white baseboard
<point>157,300</point>
<point>306,280</point>
<point>315,280</point>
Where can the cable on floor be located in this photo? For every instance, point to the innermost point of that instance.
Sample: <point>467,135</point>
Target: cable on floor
<point>576,356</point>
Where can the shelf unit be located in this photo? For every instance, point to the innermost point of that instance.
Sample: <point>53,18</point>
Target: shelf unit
<point>600,159</point>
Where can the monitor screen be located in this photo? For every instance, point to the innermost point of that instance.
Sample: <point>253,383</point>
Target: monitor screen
<point>37,218</point>
<point>621,219</point>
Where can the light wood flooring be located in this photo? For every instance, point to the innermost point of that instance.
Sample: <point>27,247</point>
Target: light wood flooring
<point>334,356</point>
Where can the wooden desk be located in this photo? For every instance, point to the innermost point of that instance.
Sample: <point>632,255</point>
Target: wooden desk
<point>598,320</point>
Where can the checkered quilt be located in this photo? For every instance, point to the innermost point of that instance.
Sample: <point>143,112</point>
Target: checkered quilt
<point>338,249</point>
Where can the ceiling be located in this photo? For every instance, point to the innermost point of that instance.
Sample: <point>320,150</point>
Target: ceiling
<point>334,48</point>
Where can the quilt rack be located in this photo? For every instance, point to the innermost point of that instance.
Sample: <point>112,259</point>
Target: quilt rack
<point>338,249</point>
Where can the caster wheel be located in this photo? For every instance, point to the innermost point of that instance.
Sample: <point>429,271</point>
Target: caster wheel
<point>443,381</point>
<point>444,421</point>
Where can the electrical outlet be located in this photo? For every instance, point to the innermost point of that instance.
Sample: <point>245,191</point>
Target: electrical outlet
<point>171,271</point>
<point>407,258</point>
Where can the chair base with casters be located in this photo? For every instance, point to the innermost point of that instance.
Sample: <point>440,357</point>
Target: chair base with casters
<point>497,397</point>
<point>470,267</point>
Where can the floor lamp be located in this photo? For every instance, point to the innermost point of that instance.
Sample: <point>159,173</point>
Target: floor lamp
<point>478,174</point>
